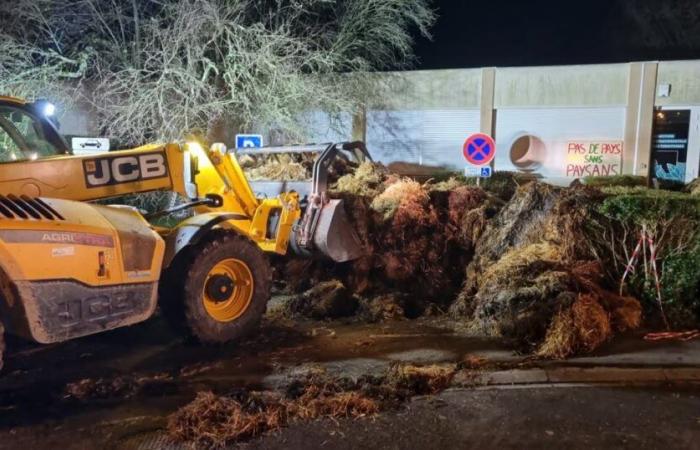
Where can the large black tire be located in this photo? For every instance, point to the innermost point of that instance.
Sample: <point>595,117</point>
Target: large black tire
<point>184,285</point>
<point>2,344</point>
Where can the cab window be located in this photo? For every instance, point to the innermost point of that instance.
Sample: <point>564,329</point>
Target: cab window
<point>24,137</point>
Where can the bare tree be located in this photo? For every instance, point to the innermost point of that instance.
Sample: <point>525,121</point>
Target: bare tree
<point>157,69</point>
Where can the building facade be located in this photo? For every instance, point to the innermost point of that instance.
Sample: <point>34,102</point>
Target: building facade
<point>561,122</point>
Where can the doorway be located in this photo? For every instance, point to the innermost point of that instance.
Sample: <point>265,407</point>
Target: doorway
<point>670,144</point>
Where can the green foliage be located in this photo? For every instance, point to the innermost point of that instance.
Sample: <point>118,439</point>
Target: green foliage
<point>670,185</point>
<point>673,221</point>
<point>617,180</point>
<point>650,207</point>
<point>680,288</point>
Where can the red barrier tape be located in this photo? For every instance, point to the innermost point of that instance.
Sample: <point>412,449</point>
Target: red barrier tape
<point>673,336</point>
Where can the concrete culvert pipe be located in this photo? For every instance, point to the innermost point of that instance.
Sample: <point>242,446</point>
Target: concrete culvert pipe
<point>527,152</point>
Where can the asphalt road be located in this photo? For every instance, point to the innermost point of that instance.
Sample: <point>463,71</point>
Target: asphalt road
<point>146,373</point>
<point>531,418</point>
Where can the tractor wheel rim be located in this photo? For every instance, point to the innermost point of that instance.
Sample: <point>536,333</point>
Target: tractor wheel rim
<point>228,290</point>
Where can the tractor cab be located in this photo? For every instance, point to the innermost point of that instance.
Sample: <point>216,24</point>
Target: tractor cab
<point>28,131</point>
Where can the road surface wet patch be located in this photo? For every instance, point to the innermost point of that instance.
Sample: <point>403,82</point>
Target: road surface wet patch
<point>128,381</point>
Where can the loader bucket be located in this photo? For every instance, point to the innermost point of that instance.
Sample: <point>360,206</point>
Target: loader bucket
<point>334,236</point>
<point>321,232</point>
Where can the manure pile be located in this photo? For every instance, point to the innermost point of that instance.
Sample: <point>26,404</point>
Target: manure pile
<point>418,238</point>
<point>522,268</point>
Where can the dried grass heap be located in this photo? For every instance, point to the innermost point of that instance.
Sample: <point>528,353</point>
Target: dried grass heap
<point>417,237</point>
<point>212,421</point>
<point>534,279</point>
<point>278,167</point>
<point>527,269</point>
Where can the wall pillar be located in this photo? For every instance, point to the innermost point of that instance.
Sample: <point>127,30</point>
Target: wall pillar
<point>488,88</point>
<point>359,125</point>
<point>639,121</point>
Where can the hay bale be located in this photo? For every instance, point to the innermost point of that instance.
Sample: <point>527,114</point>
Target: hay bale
<point>560,340</point>
<point>538,213</point>
<point>591,323</point>
<point>527,283</point>
<point>463,199</point>
<point>417,238</point>
<point>517,296</point>
<point>626,314</point>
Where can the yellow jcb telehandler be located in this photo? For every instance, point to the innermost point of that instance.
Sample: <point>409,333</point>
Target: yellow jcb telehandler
<point>71,268</point>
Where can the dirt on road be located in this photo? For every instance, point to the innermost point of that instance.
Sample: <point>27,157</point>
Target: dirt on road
<point>119,389</point>
<point>109,387</point>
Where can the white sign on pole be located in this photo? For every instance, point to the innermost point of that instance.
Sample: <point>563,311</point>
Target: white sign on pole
<point>479,172</point>
<point>89,145</point>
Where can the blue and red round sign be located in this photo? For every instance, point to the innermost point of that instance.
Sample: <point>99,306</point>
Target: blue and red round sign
<point>479,149</point>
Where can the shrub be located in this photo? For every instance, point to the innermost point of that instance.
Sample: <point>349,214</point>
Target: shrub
<point>617,180</point>
<point>672,220</point>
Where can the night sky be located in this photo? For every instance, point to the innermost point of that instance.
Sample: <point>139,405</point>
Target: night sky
<point>540,32</point>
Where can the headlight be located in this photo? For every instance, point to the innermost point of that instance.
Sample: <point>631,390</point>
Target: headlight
<point>49,109</point>
<point>195,148</point>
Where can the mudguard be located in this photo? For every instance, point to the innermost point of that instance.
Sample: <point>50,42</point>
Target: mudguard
<point>191,231</point>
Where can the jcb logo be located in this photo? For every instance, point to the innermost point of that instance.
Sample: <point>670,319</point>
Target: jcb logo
<point>113,170</point>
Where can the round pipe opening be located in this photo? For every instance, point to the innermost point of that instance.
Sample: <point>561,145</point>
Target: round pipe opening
<point>527,152</point>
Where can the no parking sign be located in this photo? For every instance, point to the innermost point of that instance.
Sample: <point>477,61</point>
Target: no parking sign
<point>479,149</point>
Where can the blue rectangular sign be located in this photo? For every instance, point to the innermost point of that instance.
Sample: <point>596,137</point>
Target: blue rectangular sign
<point>249,141</point>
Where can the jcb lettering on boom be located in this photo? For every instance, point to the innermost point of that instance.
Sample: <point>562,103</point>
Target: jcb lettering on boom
<point>111,170</point>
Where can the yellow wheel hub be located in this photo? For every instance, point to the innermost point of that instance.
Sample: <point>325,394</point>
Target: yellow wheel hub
<point>228,290</point>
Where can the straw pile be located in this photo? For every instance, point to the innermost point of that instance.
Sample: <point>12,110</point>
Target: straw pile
<point>516,268</point>
<point>534,279</point>
<point>417,237</point>
<point>212,421</point>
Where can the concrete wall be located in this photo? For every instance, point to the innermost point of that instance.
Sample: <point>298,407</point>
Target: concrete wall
<point>598,85</point>
<point>684,80</point>
<point>419,117</point>
<point>613,104</point>
<point>429,89</point>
